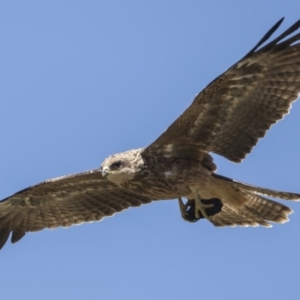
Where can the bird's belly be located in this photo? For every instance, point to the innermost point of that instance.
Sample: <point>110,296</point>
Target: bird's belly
<point>171,184</point>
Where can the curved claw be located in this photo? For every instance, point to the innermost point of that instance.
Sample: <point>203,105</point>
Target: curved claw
<point>200,209</point>
<point>209,208</point>
<point>187,210</point>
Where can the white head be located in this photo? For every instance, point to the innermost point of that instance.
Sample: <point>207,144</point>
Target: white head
<point>122,167</point>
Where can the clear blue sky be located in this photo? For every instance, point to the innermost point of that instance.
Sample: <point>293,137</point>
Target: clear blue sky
<point>84,79</point>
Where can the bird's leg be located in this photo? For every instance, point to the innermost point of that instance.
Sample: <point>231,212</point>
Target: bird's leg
<point>196,209</point>
<point>187,211</point>
<point>200,209</point>
<point>182,207</point>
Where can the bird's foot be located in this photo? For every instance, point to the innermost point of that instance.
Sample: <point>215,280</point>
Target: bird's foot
<point>195,210</point>
<point>187,210</point>
<point>200,209</point>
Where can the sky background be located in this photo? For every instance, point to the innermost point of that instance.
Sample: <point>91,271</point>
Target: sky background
<point>84,79</point>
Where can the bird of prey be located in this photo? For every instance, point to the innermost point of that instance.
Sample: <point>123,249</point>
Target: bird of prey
<point>227,118</point>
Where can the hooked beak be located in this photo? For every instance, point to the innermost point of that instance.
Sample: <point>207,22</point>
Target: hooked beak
<point>105,172</point>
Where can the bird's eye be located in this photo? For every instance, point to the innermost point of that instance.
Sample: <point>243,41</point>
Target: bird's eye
<point>116,165</point>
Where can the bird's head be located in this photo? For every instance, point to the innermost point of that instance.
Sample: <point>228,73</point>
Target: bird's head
<point>122,167</point>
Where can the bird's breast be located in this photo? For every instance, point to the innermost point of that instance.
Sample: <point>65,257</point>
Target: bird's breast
<point>169,180</point>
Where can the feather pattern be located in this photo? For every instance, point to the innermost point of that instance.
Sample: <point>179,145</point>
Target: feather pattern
<point>237,108</point>
<point>63,201</point>
<point>227,117</point>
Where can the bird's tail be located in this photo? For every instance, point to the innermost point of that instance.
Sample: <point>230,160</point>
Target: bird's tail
<point>245,205</point>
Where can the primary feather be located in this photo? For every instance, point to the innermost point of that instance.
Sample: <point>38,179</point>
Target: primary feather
<point>227,117</point>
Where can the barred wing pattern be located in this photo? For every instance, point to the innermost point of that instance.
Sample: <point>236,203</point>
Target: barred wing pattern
<point>237,108</point>
<point>63,201</point>
<point>227,117</point>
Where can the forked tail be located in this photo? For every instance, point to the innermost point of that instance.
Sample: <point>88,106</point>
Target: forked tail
<point>244,204</point>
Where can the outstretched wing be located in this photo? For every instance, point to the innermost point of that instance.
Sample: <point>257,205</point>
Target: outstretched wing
<point>239,106</point>
<point>63,201</point>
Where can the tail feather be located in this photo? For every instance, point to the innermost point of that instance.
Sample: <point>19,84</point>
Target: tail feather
<point>269,210</point>
<point>254,209</point>
<point>230,216</point>
<point>260,190</point>
<point>268,192</point>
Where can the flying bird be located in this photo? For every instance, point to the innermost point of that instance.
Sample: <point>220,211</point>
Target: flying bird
<point>227,118</point>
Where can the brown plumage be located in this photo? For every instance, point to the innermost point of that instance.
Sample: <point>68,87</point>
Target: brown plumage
<point>237,108</point>
<point>227,117</point>
<point>63,201</point>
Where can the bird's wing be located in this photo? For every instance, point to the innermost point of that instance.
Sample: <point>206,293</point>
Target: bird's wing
<point>239,106</point>
<point>63,201</point>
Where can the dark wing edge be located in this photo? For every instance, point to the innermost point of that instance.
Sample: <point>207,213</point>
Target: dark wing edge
<point>238,107</point>
<point>63,201</point>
